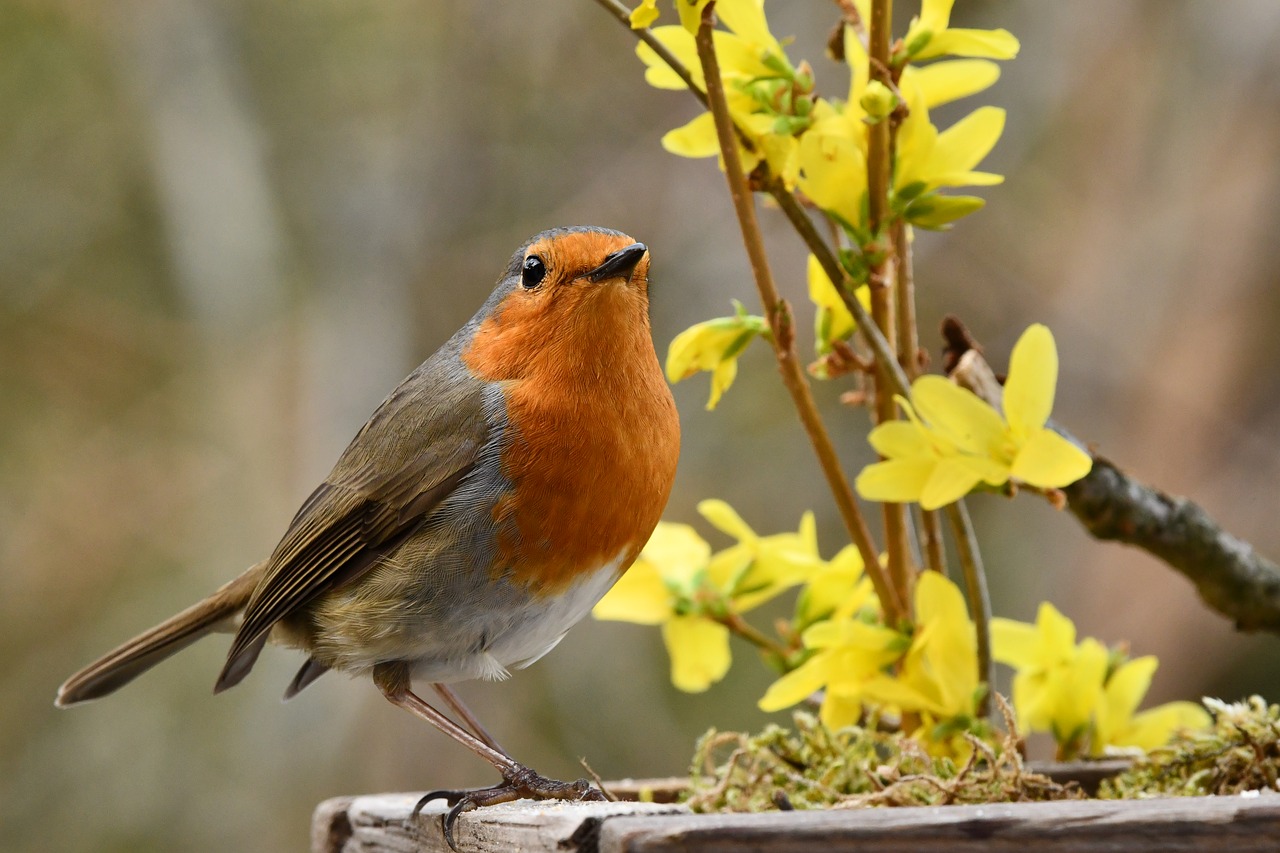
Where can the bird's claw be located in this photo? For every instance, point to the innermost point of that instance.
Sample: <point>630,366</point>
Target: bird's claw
<point>522,783</point>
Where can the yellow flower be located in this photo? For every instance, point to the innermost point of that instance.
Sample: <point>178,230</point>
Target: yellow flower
<point>952,440</point>
<point>1057,683</point>
<point>832,153</point>
<point>759,567</point>
<point>929,159</point>
<point>832,163</point>
<point>679,584</point>
<point>1116,725</point>
<point>644,15</point>
<point>714,345</point>
<point>832,321</point>
<point>769,100</point>
<point>661,588</point>
<point>930,35</point>
<point>939,676</point>
<point>1075,690</point>
<point>848,653</point>
<point>841,583</point>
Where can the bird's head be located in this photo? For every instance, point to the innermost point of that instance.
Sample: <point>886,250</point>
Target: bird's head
<point>575,296</point>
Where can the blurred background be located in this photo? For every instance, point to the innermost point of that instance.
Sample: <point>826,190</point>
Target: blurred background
<point>229,228</point>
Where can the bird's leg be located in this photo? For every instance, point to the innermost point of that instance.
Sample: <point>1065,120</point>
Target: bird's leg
<point>518,781</point>
<point>455,703</point>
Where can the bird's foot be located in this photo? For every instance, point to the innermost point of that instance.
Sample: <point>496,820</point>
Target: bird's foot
<point>520,783</point>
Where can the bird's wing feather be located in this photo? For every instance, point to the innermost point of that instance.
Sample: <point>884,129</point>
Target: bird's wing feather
<point>392,475</point>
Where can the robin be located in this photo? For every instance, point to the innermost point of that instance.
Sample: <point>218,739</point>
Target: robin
<point>489,502</point>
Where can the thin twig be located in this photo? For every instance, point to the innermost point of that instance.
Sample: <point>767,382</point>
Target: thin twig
<point>819,248</point>
<point>753,635</point>
<point>794,213</point>
<point>623,14</point>
<point>975,582</point>
<point>882,285</point>
<point>930,526</point>
<point>779,315</point>
<point>931,539</point>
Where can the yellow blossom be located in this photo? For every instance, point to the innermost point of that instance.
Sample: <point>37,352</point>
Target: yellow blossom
<point>848,653</point>
<point>939,675</point>
<point>1116,725</point>
<point>841,583</point>
<point>644,15</point>
<point>759,567</point>
<point>714,345</point>
<point>1076,691</point>
<point>661,588</point>
<point>952,440</point>
<point>678,583</point>
<point>1057,684</point>
<point>832,153</point>
<point>929,159</point>
<point>930,35</point>
<point>769,100</point>
<point>832,321</point>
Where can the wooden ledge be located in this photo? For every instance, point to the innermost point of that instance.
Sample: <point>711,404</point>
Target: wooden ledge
<point>373,824</point>
<point>383,822</point>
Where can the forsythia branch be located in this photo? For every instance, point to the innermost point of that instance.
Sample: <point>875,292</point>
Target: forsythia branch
<point>1228,573</point>
<point>789,366</point>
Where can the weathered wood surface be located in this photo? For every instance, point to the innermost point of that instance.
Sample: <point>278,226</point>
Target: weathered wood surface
<point>381,824</point>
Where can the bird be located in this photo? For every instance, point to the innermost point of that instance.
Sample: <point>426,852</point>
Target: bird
<point>485,507</point>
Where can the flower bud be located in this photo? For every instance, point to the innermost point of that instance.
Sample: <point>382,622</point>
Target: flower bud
<point>879,100</point>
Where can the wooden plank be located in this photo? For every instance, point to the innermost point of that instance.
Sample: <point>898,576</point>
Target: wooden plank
<point>382,823</point>
<point>1174,825</point>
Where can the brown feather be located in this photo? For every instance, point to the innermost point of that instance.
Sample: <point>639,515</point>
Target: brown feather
<point>121,665</point>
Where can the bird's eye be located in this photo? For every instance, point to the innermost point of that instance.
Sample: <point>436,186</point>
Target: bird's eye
<point>533,272</point>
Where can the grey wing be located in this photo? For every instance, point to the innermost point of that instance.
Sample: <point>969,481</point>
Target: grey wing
<point>419,445</point>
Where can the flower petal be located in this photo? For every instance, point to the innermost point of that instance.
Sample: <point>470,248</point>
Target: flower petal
<point>639,596</point>
<point>1013,643</point>
<point>833,173</point>
<point>797,685</point>
<point>696,138</point>
<point>1154,727</point>
<point>900,440</point>
<point>964,145</point>
<point>681,44</point>
<point>699,650</point>
<point>1121,696</point>
<point>1033,378</point>
<point>1049,461</point>
<point>990,44</point>
<point>895,481</point>
<point>726,519</point>
<point>951,480</point>
<point>678,552</point>
<point>644,14</point>
<point>959,414</point>
<point>944,82</point>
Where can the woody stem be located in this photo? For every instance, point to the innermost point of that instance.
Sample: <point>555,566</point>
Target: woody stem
<point>753,635</point>
<point>883,280</point>
<point>975,583</point>
<point>794,212</point>
<point>778,313</point>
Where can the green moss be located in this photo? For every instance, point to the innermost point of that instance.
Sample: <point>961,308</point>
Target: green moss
<point>1240,752</point>
<point>815,767</point>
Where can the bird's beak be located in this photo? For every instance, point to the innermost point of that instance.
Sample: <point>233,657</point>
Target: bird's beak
<point>620,263</point>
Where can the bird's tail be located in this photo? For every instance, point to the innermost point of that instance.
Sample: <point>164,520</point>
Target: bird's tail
<point>120,666</point>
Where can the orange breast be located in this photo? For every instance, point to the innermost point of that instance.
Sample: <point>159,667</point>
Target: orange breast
<point>595,432</point>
